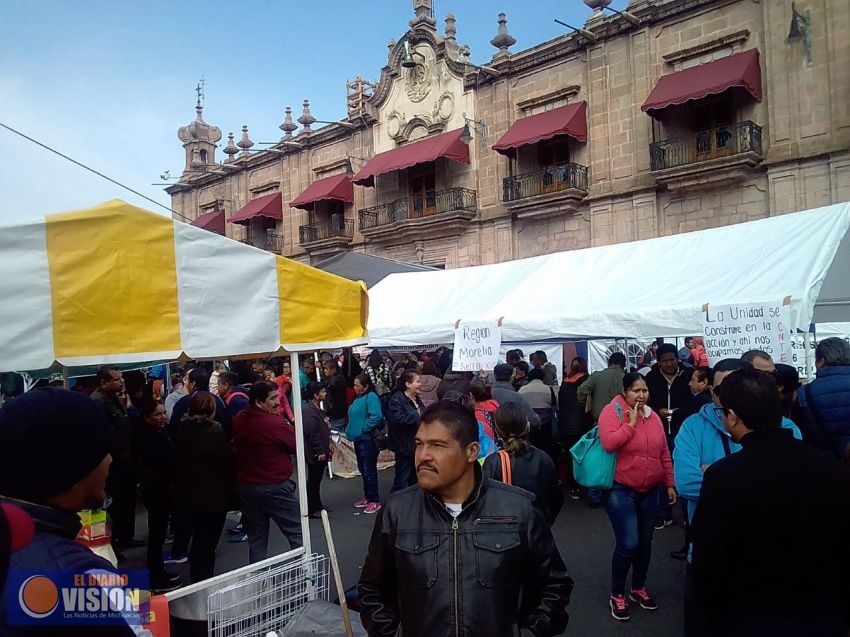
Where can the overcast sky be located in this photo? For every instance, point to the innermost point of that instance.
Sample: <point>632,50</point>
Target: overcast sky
<point>110,82</point>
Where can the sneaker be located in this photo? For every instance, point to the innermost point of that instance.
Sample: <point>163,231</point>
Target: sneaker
<point>641,597</point>
<point>662,523</point>
<point>236,530</point>
<point>372,507</point>
<point>362,504</point>
<point>175,559</point>
<point>619,608</point>
<point>237,538</point>
<point>165,583</point>
<point>680,555</point>
<point>574,494</point>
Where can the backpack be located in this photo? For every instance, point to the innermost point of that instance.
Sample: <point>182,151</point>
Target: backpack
<point>593,467</point>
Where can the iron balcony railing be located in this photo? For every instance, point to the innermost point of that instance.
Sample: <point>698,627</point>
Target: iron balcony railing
<point>273,241</point>
<point>722,141</point>
<point>545,180</point>
<point>429,203</point>
<point>332,228</point>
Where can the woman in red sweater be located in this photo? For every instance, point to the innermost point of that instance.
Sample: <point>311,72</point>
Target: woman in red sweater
<point>634,432</point>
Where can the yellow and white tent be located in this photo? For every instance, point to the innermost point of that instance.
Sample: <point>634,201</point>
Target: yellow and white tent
<point>118,284</point>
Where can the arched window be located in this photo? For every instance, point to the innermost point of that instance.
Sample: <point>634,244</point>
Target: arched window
<point>204,157</point>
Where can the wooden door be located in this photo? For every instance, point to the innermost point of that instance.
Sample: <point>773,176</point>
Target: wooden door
<point>423,185</point>
<point>552,156</point>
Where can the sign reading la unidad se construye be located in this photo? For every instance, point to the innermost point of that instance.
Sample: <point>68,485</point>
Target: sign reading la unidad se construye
<point>731,330</point>
<point>476,345</point>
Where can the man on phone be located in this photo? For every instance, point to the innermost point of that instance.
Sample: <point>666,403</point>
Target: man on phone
<point>111,396</point>
<point>669,390</point>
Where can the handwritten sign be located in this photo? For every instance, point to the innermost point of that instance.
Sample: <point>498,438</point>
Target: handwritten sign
<point>476,346</point>
<point>731,330</point>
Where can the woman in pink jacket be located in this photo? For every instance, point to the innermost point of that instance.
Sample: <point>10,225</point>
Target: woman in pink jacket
<point>634,432</point>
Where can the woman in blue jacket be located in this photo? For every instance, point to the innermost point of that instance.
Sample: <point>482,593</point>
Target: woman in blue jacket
<point>364,415</point>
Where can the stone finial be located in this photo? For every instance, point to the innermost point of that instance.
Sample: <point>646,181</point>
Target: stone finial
<point>597,5</point>
<point>451,28</point>
<point>451,36</point>
<point>464,54</point>
<point>288,127</point>
<point>245,143</point>
<point>306,118</point>
<point>503,40</point>
<point>230,150</point>
<point>424,18</point>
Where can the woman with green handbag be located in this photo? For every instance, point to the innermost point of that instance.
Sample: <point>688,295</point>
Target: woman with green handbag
<point>643,467</point>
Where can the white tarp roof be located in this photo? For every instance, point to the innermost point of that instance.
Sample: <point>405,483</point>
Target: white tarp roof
<point>639,289</point>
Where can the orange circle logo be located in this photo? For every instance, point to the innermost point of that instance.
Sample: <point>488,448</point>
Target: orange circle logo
<point>38,596</point>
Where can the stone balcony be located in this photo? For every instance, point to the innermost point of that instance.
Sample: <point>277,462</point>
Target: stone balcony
<point>435,214</point>
<point>711,157</point>
<point>326,237</point>
<point>547,192</point>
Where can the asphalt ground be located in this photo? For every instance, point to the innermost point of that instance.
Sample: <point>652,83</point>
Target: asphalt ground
<point>583,534</point>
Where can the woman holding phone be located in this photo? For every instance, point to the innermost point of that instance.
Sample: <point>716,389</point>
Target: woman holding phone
<point>644,468</point>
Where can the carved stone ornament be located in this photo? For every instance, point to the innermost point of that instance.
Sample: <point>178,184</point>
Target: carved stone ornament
<point>444,107</point>
<point>395,124</point>
<point>417,81</point>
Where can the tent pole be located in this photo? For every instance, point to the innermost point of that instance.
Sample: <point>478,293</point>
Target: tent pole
<point>807,342</point>
<point>300,456</point>
<point>66,383</point>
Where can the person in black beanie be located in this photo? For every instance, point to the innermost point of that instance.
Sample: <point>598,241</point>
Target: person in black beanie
<point>54,459</point>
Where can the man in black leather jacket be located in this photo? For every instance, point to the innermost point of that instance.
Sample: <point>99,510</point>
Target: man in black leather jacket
<point>459,554</point>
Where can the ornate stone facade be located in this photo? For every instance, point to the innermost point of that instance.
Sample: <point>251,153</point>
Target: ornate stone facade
<point>636,177</point>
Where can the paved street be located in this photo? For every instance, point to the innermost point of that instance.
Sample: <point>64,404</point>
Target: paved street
<point>583,534</point>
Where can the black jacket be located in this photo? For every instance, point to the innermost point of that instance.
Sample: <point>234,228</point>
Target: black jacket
<point>573,419</point>
<point>494,570</point>
<point>336,405</point>
<point>662,394</point>
<point>402,422</point>
<point>535,472</point>
<point>121,448</point>
<point>317,434</point>
<point>770,535</point>
<point>156,462</point>
<point>206,469</point>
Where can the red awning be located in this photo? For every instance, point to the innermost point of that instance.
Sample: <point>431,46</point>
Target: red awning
<point>741,70</point>
<point>270,206</point>
<point>567,120</point>
<point>212,221</point>
<point>448,145</point>
<point>338,188</point>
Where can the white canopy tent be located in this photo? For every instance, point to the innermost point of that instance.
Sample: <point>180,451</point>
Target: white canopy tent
<point>640,289</point>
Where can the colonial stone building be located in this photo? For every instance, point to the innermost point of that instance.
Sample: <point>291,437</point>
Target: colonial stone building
<point>675,115</point>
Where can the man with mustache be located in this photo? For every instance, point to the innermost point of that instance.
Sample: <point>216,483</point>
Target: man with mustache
<point>459,553</point>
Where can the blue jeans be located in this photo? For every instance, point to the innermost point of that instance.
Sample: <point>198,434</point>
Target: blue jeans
<point>262,502</point>
<point>367,465</point>
<point>405,473</point>
<point>633,516</point>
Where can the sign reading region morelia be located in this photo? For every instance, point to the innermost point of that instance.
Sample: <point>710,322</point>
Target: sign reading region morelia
<point>730,330</point>
<point>476,345</point>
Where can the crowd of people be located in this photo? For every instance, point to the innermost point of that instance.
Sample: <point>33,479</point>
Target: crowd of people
<point>757,462</point>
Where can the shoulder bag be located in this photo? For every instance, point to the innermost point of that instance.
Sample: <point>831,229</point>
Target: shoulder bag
<point>593,467</point>
<point>505,459</point>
